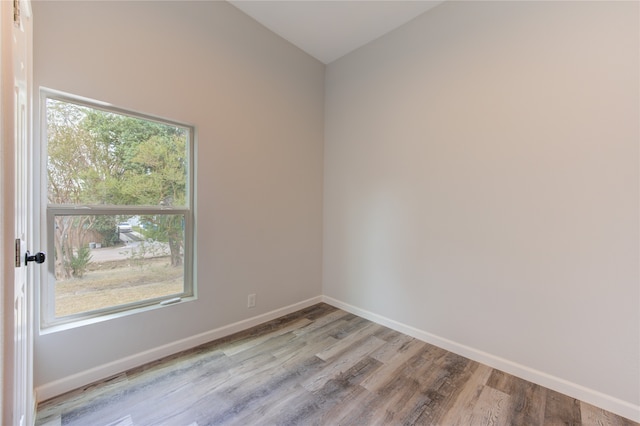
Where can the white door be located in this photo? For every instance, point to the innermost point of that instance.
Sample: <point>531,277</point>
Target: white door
<point>18,400</point>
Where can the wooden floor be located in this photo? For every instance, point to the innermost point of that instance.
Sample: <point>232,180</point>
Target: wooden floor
<point>319,366</point>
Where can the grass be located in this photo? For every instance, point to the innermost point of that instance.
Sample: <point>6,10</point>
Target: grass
<point>117,283</point>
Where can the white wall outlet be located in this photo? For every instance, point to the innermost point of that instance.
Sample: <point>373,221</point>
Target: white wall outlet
<point>251,300</point>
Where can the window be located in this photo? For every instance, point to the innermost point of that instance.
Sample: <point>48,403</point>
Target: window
<point>119,211</point>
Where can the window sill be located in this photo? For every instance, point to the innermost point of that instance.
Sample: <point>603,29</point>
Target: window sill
<point>65,325</point>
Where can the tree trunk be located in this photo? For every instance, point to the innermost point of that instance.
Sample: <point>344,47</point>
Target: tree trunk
<point>174,247</point>
<point>62,255</point>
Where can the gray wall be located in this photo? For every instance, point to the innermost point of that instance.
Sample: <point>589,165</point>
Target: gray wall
<point>481,186</point>
<point>257,106</point>
<point>480,176</point>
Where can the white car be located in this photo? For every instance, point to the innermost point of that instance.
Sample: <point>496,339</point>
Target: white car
<point>124,227</point>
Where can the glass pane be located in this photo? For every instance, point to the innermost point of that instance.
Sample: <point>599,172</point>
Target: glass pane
<point>104,261</point>
<point>100,157</point>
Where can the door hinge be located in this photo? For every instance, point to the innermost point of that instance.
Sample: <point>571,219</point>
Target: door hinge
<point>18,253</point>
<point>16,12</point>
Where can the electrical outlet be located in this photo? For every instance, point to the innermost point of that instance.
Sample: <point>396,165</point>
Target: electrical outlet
<point>251,300</point>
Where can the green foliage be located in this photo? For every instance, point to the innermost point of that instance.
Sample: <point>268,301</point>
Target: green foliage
<point>157,173</point>
<point>107,227</point>
<point>97,157</point>
<point>80,261</point>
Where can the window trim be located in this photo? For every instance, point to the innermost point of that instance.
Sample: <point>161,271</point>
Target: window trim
<point>48,320</point>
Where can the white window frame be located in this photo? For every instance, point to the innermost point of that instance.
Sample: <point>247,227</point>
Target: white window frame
<point>48,319</point>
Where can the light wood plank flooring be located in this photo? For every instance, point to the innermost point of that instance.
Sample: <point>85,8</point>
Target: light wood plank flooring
<point>318,366</point>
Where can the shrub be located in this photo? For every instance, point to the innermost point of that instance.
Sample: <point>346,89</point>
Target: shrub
<point>79,261</point>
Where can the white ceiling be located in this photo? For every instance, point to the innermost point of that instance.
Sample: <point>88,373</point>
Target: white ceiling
<point>329,29</point>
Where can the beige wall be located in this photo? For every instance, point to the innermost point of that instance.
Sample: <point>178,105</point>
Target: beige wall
<point>257,105</point>
<point>481,187</point>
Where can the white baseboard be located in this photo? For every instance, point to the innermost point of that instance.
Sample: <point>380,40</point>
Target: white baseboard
<point>590,396</point>
<point>58,387</point>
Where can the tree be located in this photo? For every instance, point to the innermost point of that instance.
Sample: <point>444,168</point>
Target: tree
<point>163,182</point>
<point>69,171</point>
<point>98,157</point>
